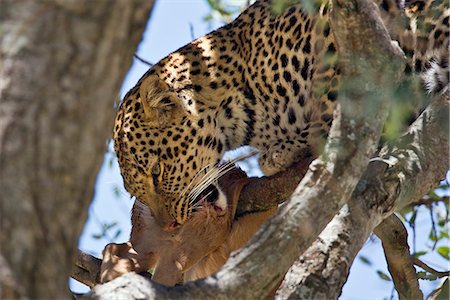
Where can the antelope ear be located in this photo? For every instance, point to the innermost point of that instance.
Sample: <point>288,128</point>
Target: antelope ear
<point>160,104</point>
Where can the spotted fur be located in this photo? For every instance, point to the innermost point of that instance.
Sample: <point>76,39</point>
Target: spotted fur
<point>422,29</point>
<point>267,81</point>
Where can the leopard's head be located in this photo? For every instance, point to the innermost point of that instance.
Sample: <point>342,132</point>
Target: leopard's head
<point>168,150</point>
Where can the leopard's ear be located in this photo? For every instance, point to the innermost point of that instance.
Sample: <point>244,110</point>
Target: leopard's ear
<point>159,102</point>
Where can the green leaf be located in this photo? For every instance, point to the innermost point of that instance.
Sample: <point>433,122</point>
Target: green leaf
<point>432,236</point>
<point>396,121</point>
<point>444,251</point>
<point>116,235</point>
<point>97,236</point>
<point>383,275</point>
<point>116,190</point>
<point>109,226</point>
<point>208,18</point>
<point>419,254</point>
<point>443,234</point>
<point>278,7</point>
<point>218,6</point>
<point>421,274</point>
<point>365,260</point>
<point>412,220</point>
<point>443,185</point>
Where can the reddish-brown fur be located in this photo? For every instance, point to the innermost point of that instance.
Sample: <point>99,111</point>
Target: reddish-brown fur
<point>196,249</point>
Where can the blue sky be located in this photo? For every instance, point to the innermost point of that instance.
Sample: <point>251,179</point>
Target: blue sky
<point>170,28</point>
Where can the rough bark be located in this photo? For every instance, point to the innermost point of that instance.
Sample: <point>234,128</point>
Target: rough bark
<point>62,63</point>
<point>86,269</point>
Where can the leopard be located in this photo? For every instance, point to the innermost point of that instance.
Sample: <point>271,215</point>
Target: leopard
<point>257,81</point>
<point>266,81</point>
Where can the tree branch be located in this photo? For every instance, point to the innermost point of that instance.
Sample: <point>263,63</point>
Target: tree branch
<point>86,269</point>
<point>442,292</point>
<point>394,238</point>
<point>146,62</point>
<point>415,167</point>
<point>426,200</point>
<point>429,269</point>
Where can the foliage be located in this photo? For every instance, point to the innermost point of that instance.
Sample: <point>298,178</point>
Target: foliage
<point>225,11</point>
<point>105,233</point>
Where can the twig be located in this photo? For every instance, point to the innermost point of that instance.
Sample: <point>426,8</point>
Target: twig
<point>392,293</point>
<point>427,200</point>
<point>412,224</point>
<point>143,60</point>
<point>394,238</point>
<point>191,30</point>
<point>429,269</point>
<point>104,233</point>
<point>433,227</point>
<point>86,269</point>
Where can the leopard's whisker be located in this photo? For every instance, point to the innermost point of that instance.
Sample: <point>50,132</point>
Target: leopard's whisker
<point>210,177</point>
<point>202,180</point>
<point>197,190</point>
<point>221,170</point>
<point>198,203</point>
<point>186,189</point>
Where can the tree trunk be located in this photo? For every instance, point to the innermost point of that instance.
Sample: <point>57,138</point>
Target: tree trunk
<point>61,66</point>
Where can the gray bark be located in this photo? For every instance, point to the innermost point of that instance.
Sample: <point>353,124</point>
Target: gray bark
<point>61,66</point>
